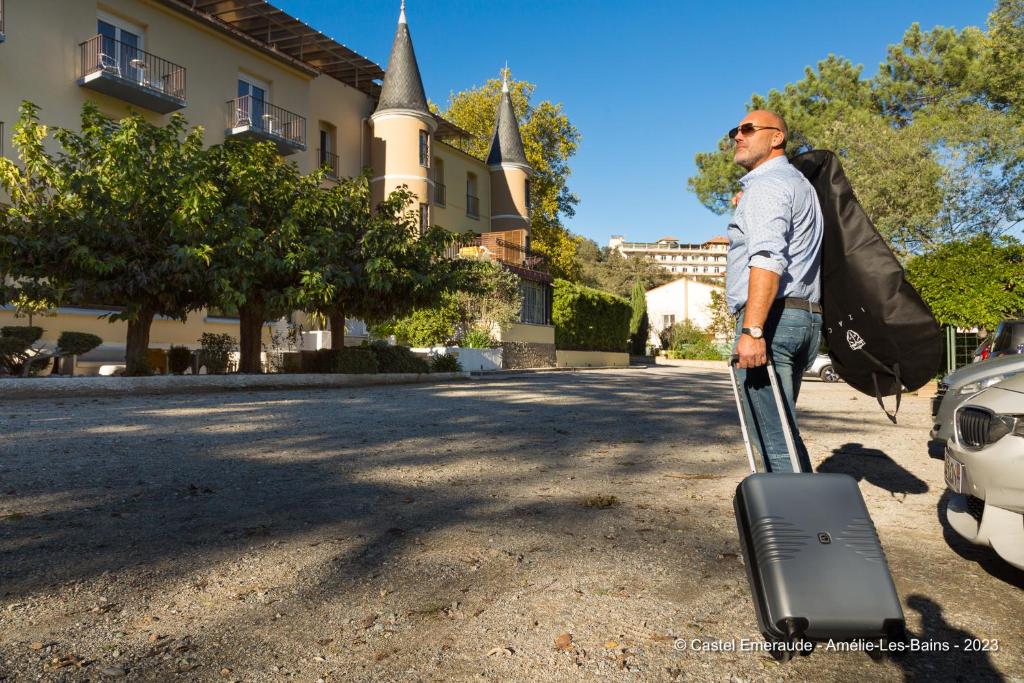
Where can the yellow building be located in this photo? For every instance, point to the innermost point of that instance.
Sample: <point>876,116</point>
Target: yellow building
<point>246,68</point>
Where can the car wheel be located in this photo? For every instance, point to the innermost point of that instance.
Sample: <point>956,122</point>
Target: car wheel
<point>828,374</point>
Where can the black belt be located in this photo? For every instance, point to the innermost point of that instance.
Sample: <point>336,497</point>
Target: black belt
<point>792,302</point>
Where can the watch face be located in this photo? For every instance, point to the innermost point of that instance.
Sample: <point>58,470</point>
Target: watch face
<point>756,332</point>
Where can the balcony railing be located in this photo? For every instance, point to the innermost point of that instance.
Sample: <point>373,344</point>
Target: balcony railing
<point>472,206</point>
<point>493,248</point>
<point>439,193</point>
<point>133,75</point>
<point>248,116</point>
<point>331,162</point>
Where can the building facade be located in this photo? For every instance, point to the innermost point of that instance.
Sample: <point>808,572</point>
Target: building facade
<point>240,68</point>
<point>677,301</point>
<point>707,259</point>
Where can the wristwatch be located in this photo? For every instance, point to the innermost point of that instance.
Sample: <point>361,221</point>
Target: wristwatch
<point>754,331</point>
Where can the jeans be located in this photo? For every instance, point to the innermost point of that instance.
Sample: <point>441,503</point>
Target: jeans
<point>793,336</point>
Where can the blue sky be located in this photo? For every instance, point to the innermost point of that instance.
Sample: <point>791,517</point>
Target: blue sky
<point>648,84</point>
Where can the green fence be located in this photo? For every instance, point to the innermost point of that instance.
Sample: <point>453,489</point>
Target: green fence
<point>959,347</point>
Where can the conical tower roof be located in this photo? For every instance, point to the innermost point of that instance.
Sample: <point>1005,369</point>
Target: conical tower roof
<point>506,143</point>
<point>403,88</point>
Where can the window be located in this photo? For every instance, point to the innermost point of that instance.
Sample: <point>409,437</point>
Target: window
<point>120,46</point>
<point>717,269</point>
<point>536,297</point>
<point>439,187</point>
<point>472,200</point>
<point>252,98</point>
<point>424,218</point>
<point>667,321</point>
<point>529,206</point>
<point>326,155</point>
<point>424,149</point>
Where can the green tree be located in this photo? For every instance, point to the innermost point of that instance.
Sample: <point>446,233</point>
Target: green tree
<point>608,269</point>
<point>115,218</point>
<point>550,140</point>
<point>973,283</point>
<point>723,324</point>
<point>373,263</point>
<point>267,211</point>
<point>639,326</point>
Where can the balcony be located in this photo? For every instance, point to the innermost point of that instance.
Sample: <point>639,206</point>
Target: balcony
<point>439,193</point>
<point>494,246</point>
<point>331,162</point>
<point>249,117</point>
<point>472,206</point>
<point>130,74</point>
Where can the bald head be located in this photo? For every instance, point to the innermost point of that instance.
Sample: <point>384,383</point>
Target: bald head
<point>765,140</point>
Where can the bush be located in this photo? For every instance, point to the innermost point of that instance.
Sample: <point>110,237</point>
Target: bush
<point>682,334</point>
<point>76,343</point>
<point>478,338</point>
<point>23,333</point>
<point>355,361</point>
<point>701,350</point>
<point>216,351</point>
<point>425,327</point>
<point>397,359</point>
<point>445,363</point>
<point>179,358</point>
<point>316,362</point>
<point>588,319</point>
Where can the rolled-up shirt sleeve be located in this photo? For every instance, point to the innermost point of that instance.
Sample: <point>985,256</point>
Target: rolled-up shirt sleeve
<point>769,210</point>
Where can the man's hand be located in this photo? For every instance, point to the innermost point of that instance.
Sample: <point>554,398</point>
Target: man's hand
<point>753,353</point>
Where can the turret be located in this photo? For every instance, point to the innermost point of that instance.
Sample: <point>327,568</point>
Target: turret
<point>510,172</point>
<point>403,126</point>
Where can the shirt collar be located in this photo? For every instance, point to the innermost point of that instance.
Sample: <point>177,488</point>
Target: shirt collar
<point>767,166</point>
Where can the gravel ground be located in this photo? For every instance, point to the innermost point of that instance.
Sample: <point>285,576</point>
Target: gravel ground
<point>548,527</point>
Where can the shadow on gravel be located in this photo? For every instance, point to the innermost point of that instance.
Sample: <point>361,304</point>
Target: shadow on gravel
<point>100,485</point>
<point>875,467</point>
<point>944,653</point>
<point>983,556</point>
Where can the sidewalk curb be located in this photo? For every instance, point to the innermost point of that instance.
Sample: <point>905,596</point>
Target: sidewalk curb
<point>66,387</point>
<point>535,371</point>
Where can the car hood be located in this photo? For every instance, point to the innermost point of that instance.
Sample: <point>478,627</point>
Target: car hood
<point>1015,383</point>
<point>1005,365</point>
<point>998,400</point>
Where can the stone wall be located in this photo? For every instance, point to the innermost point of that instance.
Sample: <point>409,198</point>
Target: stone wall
<point>519,355</point>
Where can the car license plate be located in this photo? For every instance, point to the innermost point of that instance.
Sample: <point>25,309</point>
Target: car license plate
<point>954,475</point>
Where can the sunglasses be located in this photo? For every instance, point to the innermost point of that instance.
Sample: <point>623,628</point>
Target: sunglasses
<point>749,129</point>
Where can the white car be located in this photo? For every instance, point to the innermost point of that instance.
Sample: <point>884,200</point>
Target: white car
<point>822,367</point>
<point>985,470</point>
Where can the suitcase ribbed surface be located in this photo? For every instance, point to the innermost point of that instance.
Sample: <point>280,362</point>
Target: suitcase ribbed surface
<point>776,540</point>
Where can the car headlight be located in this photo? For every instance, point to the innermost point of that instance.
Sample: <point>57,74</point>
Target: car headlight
<point>975,387</point>
<point>1002,425</point>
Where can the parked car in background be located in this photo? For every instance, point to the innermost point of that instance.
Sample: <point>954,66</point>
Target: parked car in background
<point>965,382</point>
<point>1008,338</point>
<point>822,367</point>
<point>984,470</point>
<point>984,349</point>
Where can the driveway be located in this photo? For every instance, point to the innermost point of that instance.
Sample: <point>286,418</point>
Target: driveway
<point>546,527</point>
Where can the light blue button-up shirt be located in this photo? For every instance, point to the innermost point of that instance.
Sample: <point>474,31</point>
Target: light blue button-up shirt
<point>777,226</point>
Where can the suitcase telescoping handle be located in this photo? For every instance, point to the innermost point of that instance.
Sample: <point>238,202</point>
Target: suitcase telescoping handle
<point>787,433</point>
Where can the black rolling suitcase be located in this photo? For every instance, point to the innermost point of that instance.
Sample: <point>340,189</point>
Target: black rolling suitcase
<point>815,565</point>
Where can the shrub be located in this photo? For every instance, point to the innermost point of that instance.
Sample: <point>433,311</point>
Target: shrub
<point>27,335</point>
<point>445,363</point>
<point>355,361</point>
<point>683,333</point>
<point>397,359</point>
<point>588,319</point>
<point>316,362</point>
<point>701,350</point>
<point>216,351</point>
<point>179,358</point>
<point>425,327</point>
<point>478,338</point>
<point>76,343</point>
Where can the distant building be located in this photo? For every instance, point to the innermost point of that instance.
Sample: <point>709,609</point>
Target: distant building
<point>677,257</point>
<point>679,300</point>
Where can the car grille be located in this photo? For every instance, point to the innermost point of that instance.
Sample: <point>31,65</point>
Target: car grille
<point>937,399</point>
<point>972,425</point>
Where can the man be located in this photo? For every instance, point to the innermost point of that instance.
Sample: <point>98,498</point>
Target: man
<point>773,282</point>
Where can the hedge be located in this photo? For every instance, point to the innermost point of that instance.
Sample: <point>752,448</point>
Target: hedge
<point>588,319</point>
<point>397,359</point>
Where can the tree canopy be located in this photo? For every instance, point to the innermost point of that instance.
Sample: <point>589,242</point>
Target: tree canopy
<point>550,140</point>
